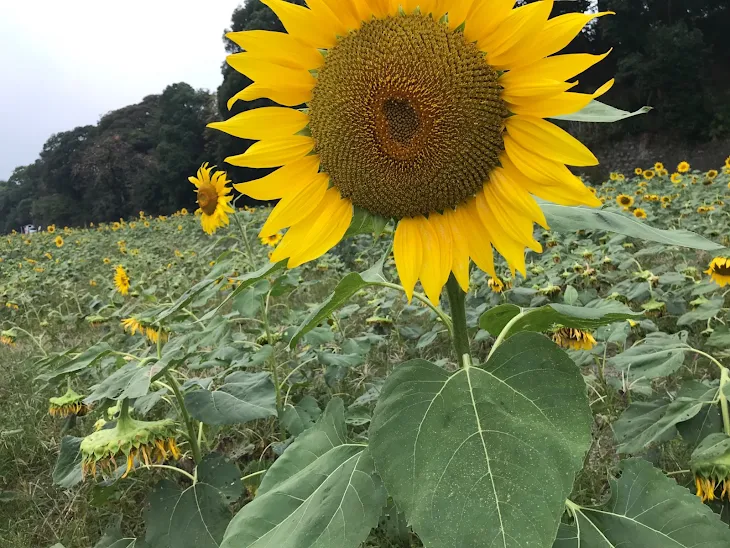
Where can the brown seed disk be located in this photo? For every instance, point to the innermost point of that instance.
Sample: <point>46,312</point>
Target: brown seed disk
<point>407,116</point>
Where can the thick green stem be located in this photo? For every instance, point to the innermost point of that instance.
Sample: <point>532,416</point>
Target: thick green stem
<point>244,237</point>
<point>272,361</point>
<point>192,434</point>
<point>457,303</point>
<point>724,379</point>
<point>505,331</point>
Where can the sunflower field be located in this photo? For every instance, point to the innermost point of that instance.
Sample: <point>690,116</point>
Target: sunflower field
<point>438,336</point>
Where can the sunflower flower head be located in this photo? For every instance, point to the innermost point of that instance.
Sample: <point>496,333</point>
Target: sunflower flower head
<point>59,241</point>
<point>51,229</point>
<point>496,285</point>
<point>153,333</point>
<point>638,171</point>
<point>658,166</point>
<point>271,240</point>
<point>69,404</point>
<point>640,213</point>
<point>121,280</point>
<point>575,339</point>
<point>428,113</point>
<point>649,174</point>
<point>719,270</point>
<point>676,178</point>
<point>132,442</point>
<point>683,167</point>
<point>214,198</point>
<point>710,464</point>
<point>625,201</point>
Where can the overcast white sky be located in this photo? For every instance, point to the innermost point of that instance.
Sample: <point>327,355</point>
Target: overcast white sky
<point>67,62</point>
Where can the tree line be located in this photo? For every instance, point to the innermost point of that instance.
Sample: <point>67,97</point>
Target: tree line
<point>670,54</point>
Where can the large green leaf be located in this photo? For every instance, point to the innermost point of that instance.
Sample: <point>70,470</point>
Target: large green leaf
<point>244,397</point>
<point>595,111</point>
<point>646,423</point>
<point>646,510</point>
<point>131,381</point>
<point>546,317</point>
<point>659,355</point>
<point>199,518</point>
<point>348,286</point>
<point>223,474</point>
<point>484,456</point>
<point>570,219</point>
<point>323,492</point>
<point>78,363</point>
<point>161,502</point>
<point>67,471</point>
<point>297,418</point>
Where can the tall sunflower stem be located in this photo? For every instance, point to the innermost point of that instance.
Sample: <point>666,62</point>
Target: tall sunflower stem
<point>457,304</point>
<point>724,380</point>
<point>272,361</point>
<point>247,243</point>
<point>189,425</point>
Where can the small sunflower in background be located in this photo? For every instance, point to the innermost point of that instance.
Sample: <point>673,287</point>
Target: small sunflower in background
<point>648,174</point>
<point>683,167</point>
<point>705,209</point>
<point>59,241</point>
<point>574,339</point>
<point>272,240</point>
<point>455,160</point>
<point>121,280</point>
<point>51,229</point>
<point>662,172</point>
<point>658,166</point>
<point>107,260</point>
<point>711,175</point>
<point>638,171</point>
<point>67,405</point>
<point>214,198</point>
<point>625,201</point>
<point>727,162</point>
<point>719,270</point>
<point>496,285</point>
<point>676,178</point>
<point>639,213</point>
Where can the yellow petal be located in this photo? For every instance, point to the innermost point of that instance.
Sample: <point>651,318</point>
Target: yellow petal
<point>563,103</point>
<point>431,274</point>
<point>281,48</point>
<point>527,92</point>
<point>297,205</point>
<point>480,244</point>
<point>549,141</point>
<point>346,12</point>
<point>264,123</point>
<point>558,67</point>
<point>327,229</point>
<point>273,153</point>
<point>459,249</point>
<point>282,181</point>
<point>304,24</point>
<point>483,17</point>
<point>327,17</point>
<point>262,70</point>
<point>287,95</point>
<point>516,34</point>
<point>408,252</point>
<point>502,221</point>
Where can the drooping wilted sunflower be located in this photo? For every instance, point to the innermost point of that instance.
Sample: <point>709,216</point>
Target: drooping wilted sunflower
<point>575,339</point>
<point>69,404</point>
<point>496,285</point>
<point>121,280</point>
<point>625,201</point>
<point>214,198</point>
<point>430,113</point>
<point>719,270</point>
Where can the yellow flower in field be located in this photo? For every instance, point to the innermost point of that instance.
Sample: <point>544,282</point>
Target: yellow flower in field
<point>648,174</point>
<point>107,260</point>
<point>705,209</point>
<point>613,176</point>
<point>662,172</point>
<point>659,166</point>
<point>121,280</point>
<point>676,178</point>
<point>7,341</point>
<point>38,269</point>
<point>683,167</point>
<point>625,201</point>
<point>51,229</point>
<point>146,224</point>
<point>179,228</point>
<point>67,405</point>
<point>453,159</point>
<point>183,211</point>
<point>727,161</point>
<point>92,283</point>
<point>639,213</point>
<point>576,339</point>
<point>712,174</point>
<point>666,199</point>
<point>48,255</point>
<point>131,325</point>
<point>272,240</point>
<point>719,270</point>
<point>214,198</point>
<point>59,241</point>
<point>496,285</point>
<point>638,171</point>
<point>620,177</point>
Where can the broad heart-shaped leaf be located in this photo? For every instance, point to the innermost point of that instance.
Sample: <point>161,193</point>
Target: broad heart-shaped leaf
<point>658,355</point>
<point>321,493</point>
<point>131,381</point>
<point>570,219</point>
<point>719,338</point>
<point>646,510</point>
<point>199,518</point>
<point>707,421</point>
<point>645,423</point>
<point>80,362</point>
<point>161,502</point>
<point>546,317</point>
<point>485,456</point>
<point>297,418</point>
<point>67,472</point>
<point>223,474</point>
<point>244,397</point>
<point>595,111</point>
<point>348,286</point>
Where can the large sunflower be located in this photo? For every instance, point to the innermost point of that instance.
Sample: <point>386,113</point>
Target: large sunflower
<point>214,198</point>
<point>719,270</point>
<point>429,112</point>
